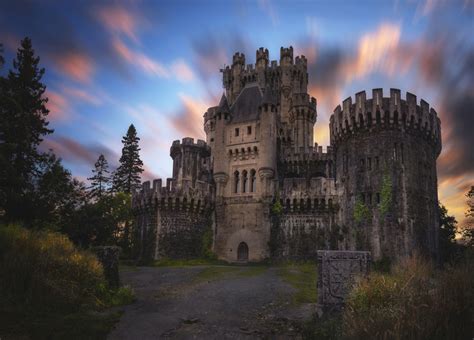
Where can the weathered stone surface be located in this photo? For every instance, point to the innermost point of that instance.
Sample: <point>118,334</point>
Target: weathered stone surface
<point>108,256</point>
<point>336,272</point>
<point>374,187</point>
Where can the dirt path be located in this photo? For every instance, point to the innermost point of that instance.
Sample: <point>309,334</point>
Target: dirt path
<point>209,302</point>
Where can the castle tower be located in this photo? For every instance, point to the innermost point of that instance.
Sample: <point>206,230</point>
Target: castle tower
<point>385,154</point>
<point>238,64</point>
<point>302,119</point>
<point>262,60</point>
<point>190,162</point>
<point>286,63</point>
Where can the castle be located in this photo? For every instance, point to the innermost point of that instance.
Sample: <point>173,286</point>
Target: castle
<point>260,187</point>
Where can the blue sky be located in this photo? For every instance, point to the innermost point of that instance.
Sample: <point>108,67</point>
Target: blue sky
<point>156,64</point>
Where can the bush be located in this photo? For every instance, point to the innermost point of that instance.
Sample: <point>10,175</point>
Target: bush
<point>43,271</point>
<point>414,301</point>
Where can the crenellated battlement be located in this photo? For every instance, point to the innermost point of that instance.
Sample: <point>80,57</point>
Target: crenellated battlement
<point>238,58</point>
<point>297,194</point>
<point>311,153</point>
<point>188,143</point>
<point>195,198</point>
<point>286,55</point>
<point>391,112</point>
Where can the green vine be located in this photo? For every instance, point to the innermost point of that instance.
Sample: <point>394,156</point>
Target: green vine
<point>385,194</point>
<point>277,208</point>
<point>361,211</point>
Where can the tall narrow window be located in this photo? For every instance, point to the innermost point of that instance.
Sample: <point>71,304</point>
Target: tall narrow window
<point>236,132</point>
<point>377,195</point>
<point>253,180</point>
<point>244,181</point>
<point>369,163</point>
<point>236,182</point>
<point>377,162</point>
<point>249,130</point>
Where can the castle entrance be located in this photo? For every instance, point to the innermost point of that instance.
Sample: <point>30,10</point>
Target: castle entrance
<point>243,252</point>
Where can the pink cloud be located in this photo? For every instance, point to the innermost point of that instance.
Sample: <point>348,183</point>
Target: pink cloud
<point>120,20</point>
<point>145,63</point>
<point>182,71</point>
<point>82,95</point>
<point>58,106</point>
<point>76,65</point>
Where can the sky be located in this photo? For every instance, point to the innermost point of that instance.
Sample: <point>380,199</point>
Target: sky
<point>156,64</point>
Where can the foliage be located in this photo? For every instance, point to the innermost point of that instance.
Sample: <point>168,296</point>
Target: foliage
<point>447,234</point>
<point>2,60</point>
<point>468,228</point>
<point>207,239</point>
<point>302,276</point>
<point>44,271</point>
<point>414,301</point>
<point>361,212</point>
<point>52,290</point>
<point>277,208</point>
<point>127,176</point>
<point>385,194</point>
<point>22,127</point>
<point>100,179</point>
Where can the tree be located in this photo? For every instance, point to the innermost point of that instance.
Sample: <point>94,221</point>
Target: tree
<point>468,230</point>
<point>2,60</point>
<point>23,125</point>
<point>100,180</point>
<point>127,176</point>
<point>447,233</point>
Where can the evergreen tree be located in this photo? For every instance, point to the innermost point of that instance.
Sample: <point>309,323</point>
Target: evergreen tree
<point>127,176</point>
<point>2,61</point>
<point>23,124</point>
<point>100,180</point>
<point>447,234</point>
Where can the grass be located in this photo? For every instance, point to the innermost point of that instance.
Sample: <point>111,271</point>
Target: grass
<point>302,277</point>
<point>78,325</point>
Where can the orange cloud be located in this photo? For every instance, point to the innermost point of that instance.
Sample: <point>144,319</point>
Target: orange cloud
<point>375,52</point>
<point>76,65</point>
<point>189,120</point>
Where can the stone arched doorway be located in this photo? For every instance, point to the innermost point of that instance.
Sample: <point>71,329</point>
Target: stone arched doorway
<point>243,252</point>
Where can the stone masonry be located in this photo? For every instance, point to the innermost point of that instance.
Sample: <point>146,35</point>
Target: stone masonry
<point>262,187</point>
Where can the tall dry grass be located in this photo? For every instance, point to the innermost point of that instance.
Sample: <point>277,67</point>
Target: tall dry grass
<point>44,271</point>
<point>413,301</point>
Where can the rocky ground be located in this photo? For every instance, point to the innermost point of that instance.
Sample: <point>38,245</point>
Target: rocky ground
<point>211,302</point>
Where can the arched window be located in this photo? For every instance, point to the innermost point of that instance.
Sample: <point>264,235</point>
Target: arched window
<point>244,181</point>
<point>253,180</point>
<point>236,181</point>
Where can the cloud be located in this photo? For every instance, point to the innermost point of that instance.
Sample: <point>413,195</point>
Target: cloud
<point>141,60</point>
<point>76,65</point>
<point>189,119</point>
<point>120,20</point>
<point>182,71</point>
<point>58,106</point>
<point>75,153</point>
<point>82,96</point>
<point>267,7</point>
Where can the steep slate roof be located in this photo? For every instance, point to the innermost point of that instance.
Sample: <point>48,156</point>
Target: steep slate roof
<point>245,107</point>
<point>223,104</point>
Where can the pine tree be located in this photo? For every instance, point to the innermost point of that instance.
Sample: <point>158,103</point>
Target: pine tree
<point>127,176</point>
<point>100,180</point>
<point>2,60</point>
<point>23,124</point>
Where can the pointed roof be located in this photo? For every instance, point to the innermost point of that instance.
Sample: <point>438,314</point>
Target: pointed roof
<point>223,104</point>
<point>245,107</point>
<point>269,96</point>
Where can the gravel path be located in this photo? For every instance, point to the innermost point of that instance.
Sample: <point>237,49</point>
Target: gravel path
<point>209,302</point>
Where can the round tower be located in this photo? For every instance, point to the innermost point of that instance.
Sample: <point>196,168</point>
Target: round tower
<point>302,119</point>
<point>385,154</point>
<point>191,162</point>
<point>286,63</point>
<point>238,65</point>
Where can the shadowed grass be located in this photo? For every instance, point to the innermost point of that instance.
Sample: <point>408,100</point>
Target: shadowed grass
<point>214,273</point>
<point>302,277</point>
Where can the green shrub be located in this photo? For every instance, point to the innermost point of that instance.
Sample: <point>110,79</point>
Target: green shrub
<point>414,301</point>
<point>44,271</point>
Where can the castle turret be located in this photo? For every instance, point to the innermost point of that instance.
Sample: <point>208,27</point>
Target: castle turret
<point>385,153</point>
<point>302,119</point>
<point>238,64</point>
<point>286,61</point>
<point>191,161</point>
<point>262,60</point>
